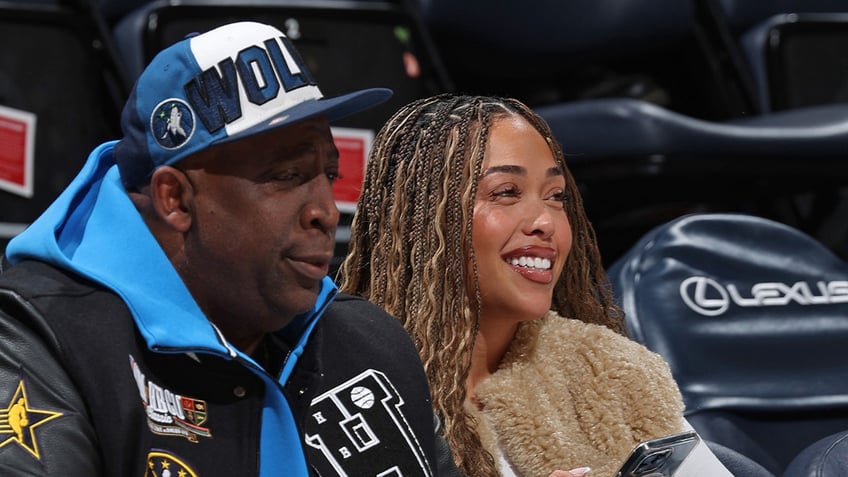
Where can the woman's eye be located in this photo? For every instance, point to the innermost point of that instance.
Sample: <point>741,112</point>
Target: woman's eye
<point>561,197</point>
<point>505,191</point>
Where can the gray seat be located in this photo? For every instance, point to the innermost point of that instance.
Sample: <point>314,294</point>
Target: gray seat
<point>640,165</point>
<point>738,464</point>
<point>827,457</point>
<point>752,317</point>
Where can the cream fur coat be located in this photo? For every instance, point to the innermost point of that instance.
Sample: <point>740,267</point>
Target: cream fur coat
<point>571,394</point>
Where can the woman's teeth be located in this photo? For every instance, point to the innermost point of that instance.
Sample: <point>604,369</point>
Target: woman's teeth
<point>531,262</point>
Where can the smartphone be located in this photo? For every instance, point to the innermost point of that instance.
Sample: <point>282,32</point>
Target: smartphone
<point>659,457</point>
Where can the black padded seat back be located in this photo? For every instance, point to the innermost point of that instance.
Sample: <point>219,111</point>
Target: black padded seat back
<point>744,14</point>
<point>795,59</point>
<point>827,457</point>
<point>789,166</point>
<point>752,316</point>
<point>555,51</point>
<point>55,65</point>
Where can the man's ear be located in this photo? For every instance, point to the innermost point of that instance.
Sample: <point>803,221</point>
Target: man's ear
<point>171,194</point>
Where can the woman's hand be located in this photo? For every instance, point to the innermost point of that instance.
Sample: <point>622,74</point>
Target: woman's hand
<point>578,472</point>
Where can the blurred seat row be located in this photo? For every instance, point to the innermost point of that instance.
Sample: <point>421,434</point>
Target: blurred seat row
<point>665,107</point>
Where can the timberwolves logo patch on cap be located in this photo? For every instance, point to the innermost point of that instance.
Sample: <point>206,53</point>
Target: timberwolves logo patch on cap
<point>172,123</point>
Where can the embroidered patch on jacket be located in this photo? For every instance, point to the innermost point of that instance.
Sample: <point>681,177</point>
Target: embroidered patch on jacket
<point>168,413</point>
<point>360,428</point>
<point>164,464</point>
<point>18,421</point>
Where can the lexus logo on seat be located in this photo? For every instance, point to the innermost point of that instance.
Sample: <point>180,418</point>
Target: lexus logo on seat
<point>704,295</point>
<point>709,298</point>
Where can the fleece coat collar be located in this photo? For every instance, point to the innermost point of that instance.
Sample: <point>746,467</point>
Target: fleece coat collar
<point>571,394</point>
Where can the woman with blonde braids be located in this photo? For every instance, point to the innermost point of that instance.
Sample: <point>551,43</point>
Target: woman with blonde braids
<point>471,230</point>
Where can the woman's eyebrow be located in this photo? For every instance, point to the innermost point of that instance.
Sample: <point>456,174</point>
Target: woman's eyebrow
<point>519,170</point>
<point>506,169</point>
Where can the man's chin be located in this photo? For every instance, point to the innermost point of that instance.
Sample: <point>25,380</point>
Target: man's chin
<point>301,302</point>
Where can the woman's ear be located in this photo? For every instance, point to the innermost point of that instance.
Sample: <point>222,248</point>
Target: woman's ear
<point>171,195</point>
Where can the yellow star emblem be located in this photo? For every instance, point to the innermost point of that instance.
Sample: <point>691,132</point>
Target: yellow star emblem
<point>18,421</point>
<point>160,462</point>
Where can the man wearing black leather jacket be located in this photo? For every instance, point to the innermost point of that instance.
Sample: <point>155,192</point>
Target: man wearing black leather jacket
<point>170,313</point>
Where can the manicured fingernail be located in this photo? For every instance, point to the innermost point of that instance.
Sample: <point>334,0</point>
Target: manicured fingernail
<point>581,470</point>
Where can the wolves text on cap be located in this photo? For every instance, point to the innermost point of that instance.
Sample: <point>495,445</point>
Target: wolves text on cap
<point>261,73</point>
<point>230,83</point>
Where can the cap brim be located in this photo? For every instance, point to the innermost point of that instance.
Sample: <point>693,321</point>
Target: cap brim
<point>333,108</point>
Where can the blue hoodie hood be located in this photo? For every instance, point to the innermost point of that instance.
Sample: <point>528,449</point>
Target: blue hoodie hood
<point>93,229</point>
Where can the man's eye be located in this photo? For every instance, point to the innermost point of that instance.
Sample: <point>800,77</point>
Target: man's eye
<point>288,176</point>
<point>334,176</point>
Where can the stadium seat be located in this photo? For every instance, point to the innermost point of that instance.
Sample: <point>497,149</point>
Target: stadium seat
<point>795,59</point>
<point>562,51</point>
<point>640,165</point>
<point>827,457</point>
<point>752,317</point>
<point>57,72</point>
<point>742,15</point>
<point>738,464</point>
<point>782,53</point>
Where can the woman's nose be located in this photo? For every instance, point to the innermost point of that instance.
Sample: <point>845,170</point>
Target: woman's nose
<point>540,220</point>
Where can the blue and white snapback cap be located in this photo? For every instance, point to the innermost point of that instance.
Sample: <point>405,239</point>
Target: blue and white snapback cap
<point>230,83</point>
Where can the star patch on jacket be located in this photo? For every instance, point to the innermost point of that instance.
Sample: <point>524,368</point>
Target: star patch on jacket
<point>18,421</point>
<point>161,463</point>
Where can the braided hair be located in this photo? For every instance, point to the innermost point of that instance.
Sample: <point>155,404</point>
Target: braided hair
<point>411,249</point>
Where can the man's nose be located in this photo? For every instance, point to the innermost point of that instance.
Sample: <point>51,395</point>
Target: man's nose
<point>320,210</point>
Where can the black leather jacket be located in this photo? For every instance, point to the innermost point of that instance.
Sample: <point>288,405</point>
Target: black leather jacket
<point>81,393</point>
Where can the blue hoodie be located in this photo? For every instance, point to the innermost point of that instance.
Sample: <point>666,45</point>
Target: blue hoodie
<point>94,230</point>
